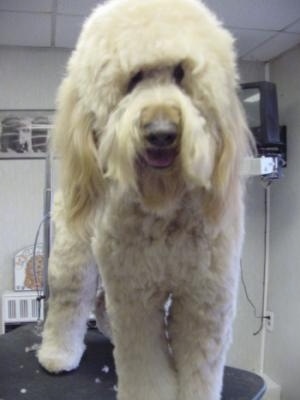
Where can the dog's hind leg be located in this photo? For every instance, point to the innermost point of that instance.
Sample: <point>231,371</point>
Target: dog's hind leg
<point>73,284</point>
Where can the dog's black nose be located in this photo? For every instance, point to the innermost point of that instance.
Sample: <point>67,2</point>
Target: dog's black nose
<point>161,133</point>
<point>163,139</point>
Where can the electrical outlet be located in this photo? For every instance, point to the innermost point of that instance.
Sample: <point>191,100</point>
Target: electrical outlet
<point>269,318</point>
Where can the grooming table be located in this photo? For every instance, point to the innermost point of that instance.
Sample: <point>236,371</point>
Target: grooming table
<point>21,377</point>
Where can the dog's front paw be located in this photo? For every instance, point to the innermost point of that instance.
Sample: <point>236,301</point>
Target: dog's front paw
<point>56,360</point>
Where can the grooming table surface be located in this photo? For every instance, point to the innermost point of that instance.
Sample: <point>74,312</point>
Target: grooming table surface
<point>21,377</point>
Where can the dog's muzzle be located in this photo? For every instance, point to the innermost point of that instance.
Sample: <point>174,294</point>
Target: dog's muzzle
<point>161,140</point>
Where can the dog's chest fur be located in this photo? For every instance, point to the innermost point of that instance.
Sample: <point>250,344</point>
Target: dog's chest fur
<point>162,250</point>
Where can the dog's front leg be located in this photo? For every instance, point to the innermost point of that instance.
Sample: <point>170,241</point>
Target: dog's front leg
<point>72,281</point>
<point>200,334</point>
<point>141,353</point>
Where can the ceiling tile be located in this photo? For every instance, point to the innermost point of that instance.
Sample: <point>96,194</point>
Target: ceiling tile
<point>67,30</point>
<point>26,5</point>
<point>294,27</point>
<point>24,29</point>
<point>76,7</point>
<point>248,39</point>
<point>256,14</point>
<point>253,22</point>
<point>274,47</point>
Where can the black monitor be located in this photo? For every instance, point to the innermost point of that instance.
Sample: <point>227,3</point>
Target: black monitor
<point>260,102</point>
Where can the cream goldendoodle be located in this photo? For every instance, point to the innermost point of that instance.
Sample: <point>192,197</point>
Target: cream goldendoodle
<point>151,136</point>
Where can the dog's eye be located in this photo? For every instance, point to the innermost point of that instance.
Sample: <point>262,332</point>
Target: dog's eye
<point>137,78</point>
<point>178,74</point>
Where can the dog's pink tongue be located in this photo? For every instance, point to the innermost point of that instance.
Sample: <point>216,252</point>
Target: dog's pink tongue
<point>159,158</point>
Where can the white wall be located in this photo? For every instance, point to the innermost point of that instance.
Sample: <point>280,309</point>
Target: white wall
<point>283,345</point>
<point>251,71</point>
<point>246,348</point>
<point>29,79</point>
<point>21,200</point>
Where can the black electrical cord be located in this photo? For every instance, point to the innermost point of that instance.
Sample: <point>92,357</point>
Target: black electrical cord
<point>261,317</point>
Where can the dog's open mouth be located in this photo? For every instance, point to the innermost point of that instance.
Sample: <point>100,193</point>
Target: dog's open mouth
<point>159,158</point>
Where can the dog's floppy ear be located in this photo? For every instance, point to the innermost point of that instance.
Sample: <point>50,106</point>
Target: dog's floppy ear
<point>74,143</point>
<point>235,144</point>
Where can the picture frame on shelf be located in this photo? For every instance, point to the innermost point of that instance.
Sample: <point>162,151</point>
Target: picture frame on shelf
<point>29,268</point>
<point>24,133</point>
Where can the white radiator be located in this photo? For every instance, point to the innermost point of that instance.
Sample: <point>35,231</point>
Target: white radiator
<point>20,307</point>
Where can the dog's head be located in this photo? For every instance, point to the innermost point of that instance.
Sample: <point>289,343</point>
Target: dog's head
<point>149,105</point>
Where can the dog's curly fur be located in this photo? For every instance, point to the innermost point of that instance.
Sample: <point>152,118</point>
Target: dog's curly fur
<point>151,136</point>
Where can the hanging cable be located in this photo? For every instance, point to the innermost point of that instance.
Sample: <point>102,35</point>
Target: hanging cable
<point>39,291</point>
<point>266,184</point>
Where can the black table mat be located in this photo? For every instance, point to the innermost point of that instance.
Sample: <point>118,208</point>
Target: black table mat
<point>21,377</point>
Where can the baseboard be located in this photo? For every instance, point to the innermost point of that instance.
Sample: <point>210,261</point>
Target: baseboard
<point>273,389</point>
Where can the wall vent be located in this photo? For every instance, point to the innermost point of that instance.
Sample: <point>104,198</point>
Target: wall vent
<point>12,309</point>
<point>20,307</point>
